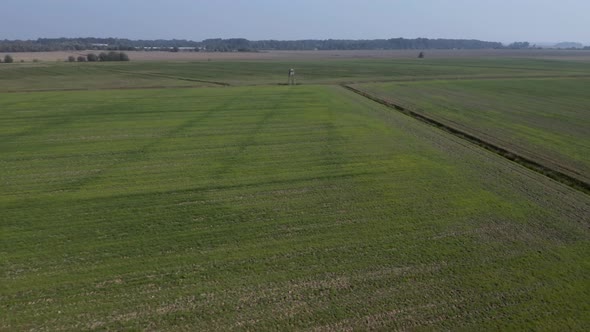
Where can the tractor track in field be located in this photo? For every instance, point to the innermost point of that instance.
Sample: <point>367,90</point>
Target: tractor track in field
<point>529,163</point>
<point>167,76</point>
<point>155,87</point>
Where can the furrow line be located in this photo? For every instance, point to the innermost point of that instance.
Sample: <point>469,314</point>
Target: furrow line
<point>167,76</point>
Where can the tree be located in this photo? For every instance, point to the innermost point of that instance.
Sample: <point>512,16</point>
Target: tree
<point>71,58</point>
<point>519,45</point>
<point>92,57</point>
<point>81,58</point>
<point>8,59</point>
<point>113,56</point>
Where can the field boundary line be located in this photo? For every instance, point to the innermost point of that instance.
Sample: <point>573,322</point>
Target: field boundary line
<point>529,163</point>
<point>111,89</point>
<point>166,76</point>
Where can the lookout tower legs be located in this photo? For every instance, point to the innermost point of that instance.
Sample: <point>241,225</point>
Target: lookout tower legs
<point>291,80</point>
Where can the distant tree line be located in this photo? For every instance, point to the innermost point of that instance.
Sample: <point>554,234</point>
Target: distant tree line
<point>103,56</point>
<point>79,44</point>
<point>342,44</point>
<point>519,45</point>
<point>113,56</point>
<point>240,44</point>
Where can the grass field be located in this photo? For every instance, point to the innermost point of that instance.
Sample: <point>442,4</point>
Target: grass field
<point>40,77</point>
<point>546,120</point>
<point>273,208</point>
<point>142,74</point>
<point>342,71</point>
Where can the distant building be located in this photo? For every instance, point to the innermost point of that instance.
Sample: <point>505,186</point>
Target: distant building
<point>180,49</point>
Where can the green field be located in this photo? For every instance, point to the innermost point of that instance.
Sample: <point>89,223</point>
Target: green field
<point>87,76</point>
<point>342,71</point>
<point>546,120</point>
<point>268,207</point>
<point>55,76</point>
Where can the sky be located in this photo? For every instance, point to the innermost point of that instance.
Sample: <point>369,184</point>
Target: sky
<point>491,20</point>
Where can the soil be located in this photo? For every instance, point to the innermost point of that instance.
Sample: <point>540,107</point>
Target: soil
<point>314,55</point>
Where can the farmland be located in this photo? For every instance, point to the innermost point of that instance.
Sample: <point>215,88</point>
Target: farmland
<point>158,199</point>
<point>544,119</point>
<point>343,71</point>
<point>40,77</point>
<point>146,74</point>
<point>163,56</point>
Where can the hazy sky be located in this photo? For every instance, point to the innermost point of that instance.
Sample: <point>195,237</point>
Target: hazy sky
<point>494,20</point>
